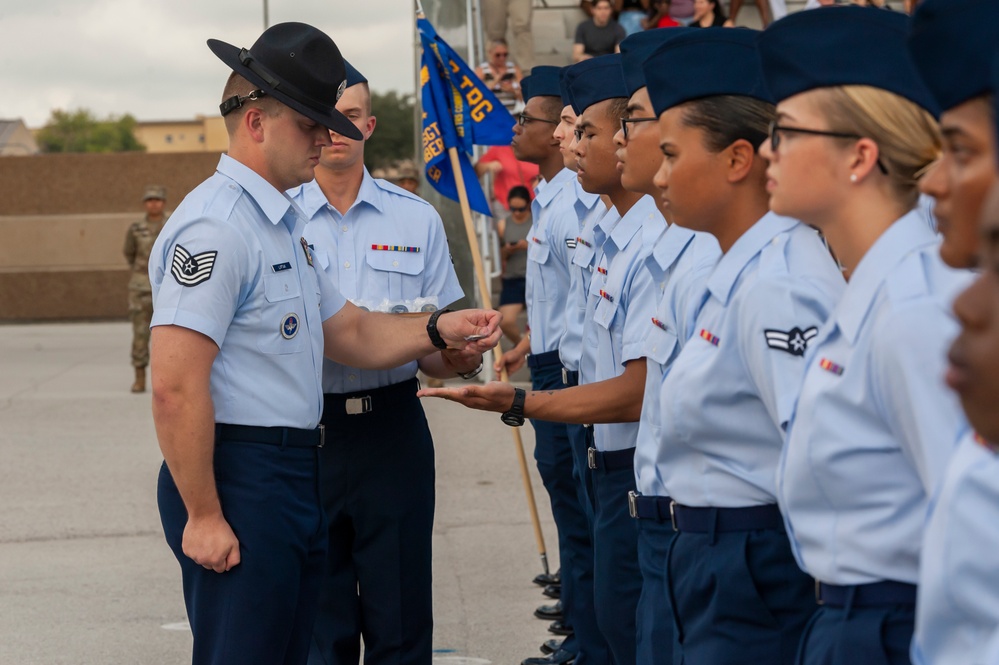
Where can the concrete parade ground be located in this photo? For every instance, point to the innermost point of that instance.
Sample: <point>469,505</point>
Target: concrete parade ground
<point>87,578</point>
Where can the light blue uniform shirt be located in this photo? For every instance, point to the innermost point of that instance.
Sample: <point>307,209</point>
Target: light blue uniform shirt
<point>957,609</point>
<point>597,237</point>
<point>874,425</point>
<point>623,297</point>
<point>589,209</point>
<point>680,264</point>
<point>230,264</point>
<point>414,272</point>
<point>549,244</point>
<point>730,391</point>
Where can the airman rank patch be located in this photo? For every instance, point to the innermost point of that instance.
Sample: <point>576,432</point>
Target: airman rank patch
<point>711,339</point>
<point>794,341</point>
<point>830,366</point>
<point>289,325</point>
<point>571,242</point>
<point>394,248</point>
<point>305,248</point>
<point>191,269</point>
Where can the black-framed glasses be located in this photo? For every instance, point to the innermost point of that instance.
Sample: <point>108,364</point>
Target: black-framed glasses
<point>776,129</point>
<point>523,118</point>
<point>629,121</point>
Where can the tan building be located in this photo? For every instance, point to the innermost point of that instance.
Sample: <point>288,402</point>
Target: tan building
<point>16,139</point>
<point>198,135</point>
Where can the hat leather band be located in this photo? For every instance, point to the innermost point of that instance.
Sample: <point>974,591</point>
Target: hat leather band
<point>247,60</point>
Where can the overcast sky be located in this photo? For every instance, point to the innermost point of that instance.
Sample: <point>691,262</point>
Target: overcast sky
<point>149,58</point>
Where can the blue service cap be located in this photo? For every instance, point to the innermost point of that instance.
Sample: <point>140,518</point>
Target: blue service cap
<point>705,62</point>
<point>542,82</point>
<point>563,86</point>
<point>639,46</point>
<point>353,76</point>
<point>595,80</point>
<point>951,42</point>
<point>832,46</point>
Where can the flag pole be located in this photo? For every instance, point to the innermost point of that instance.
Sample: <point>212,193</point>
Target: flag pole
<point>480,280</point>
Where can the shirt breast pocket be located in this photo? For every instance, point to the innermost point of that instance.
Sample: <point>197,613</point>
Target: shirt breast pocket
<point>400,274</point>
<point>545,287</point>
<point>660,345</point>
<point>282,315</point>
<point>605,313</point>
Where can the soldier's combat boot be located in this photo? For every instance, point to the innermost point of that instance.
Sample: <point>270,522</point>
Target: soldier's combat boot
<point>140,380</point>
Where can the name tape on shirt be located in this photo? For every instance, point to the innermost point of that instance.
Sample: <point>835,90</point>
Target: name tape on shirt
<point>279,267</point>
<point>793,341</point>
<point>192,269</point>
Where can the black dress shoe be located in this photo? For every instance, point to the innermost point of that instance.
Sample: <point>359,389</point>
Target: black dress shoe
<point>553,591</point>
<point>544,579</point>
<point>560,657</point>
<point>552,645</point>
<point>550,612</point>
<point>559,628</point>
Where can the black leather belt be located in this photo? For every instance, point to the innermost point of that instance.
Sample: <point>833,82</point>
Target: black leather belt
<point>718,520</point>
<point>875,594</point>
<point>367,401</point>
<point>649,507</point>
<point>611,460</point>
<point>275,436</point>
<point>538,360</point>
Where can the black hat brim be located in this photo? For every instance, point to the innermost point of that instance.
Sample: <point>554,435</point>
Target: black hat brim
<point>331,119</point>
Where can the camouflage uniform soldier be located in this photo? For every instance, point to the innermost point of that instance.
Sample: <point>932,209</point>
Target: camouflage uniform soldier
<point>407,175</point>
<point>138,243</point>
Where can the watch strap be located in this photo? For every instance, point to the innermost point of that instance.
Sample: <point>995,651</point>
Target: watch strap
<point>435,337</point>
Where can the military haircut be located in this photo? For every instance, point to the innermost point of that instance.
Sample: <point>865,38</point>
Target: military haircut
<point>237,85</point>
<point>725,119</point>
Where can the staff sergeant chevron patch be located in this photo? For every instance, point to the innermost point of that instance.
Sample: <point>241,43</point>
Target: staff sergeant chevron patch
<point>192,269</point>
<point>794,341</point>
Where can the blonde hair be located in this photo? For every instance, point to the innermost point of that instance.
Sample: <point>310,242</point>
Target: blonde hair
<point>908,137</point>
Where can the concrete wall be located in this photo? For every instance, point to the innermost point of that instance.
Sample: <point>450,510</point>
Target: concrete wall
<point>63,219</point>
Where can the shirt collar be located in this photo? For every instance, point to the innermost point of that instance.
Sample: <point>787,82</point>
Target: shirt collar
<point>548,190</point>
<point>644,211</point>
<point>671,245</point>
<point>272,203</point>
<point>745,249</point>
<point>907,234</point>
<point>311,198</point>
<point>583,197</point>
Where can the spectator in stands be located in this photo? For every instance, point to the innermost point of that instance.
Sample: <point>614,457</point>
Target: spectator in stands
<point>736,5</point>
<point>599,35</point>
<point>630,14</point>
<point>507,173</point>
<point>513,232</point>
<point>709,14</point>
<point>502,75</point>
<point>498,14</point>
<point>659,16</point>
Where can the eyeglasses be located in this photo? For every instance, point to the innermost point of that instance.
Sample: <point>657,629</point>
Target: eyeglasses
<point>523,118</point>
<point>776,129</point>
<point>627,121</point>
<point>500,54</point>
<point>518,208</point>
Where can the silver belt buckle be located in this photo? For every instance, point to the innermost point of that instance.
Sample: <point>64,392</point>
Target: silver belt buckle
<point>591,458</point>
<point>322,435</point>
<point>565,376</point>
<point>633,504</point>
<point>358,405</point>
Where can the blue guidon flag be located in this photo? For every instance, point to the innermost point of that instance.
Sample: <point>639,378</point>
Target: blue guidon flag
<point>191,269</point>
<point>459,111</point>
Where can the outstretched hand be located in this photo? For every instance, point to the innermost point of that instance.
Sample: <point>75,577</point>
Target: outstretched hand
<point>493,396</point>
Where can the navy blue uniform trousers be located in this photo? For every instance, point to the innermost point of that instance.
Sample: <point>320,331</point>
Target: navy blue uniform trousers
<point>738,597</point>
<point>617,576</point>
<point>554,458</point>
<point>855,635</point>
<point>378,491</point>
<point>654,617</point>
<point>262,610</point>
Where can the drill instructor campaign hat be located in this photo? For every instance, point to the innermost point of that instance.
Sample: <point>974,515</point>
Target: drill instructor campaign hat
<point>299,66</point>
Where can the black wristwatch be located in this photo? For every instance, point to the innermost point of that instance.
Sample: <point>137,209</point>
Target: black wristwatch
<point>515,416</point>
<point>435,337</point>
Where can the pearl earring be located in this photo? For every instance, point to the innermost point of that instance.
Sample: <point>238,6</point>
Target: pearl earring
<point>853,177</point>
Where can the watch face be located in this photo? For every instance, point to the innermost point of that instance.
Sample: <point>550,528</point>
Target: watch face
<point>512,420</point>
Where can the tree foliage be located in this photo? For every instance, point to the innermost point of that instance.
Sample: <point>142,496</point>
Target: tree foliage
<point>395,134</point>
<point>81,131</point>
